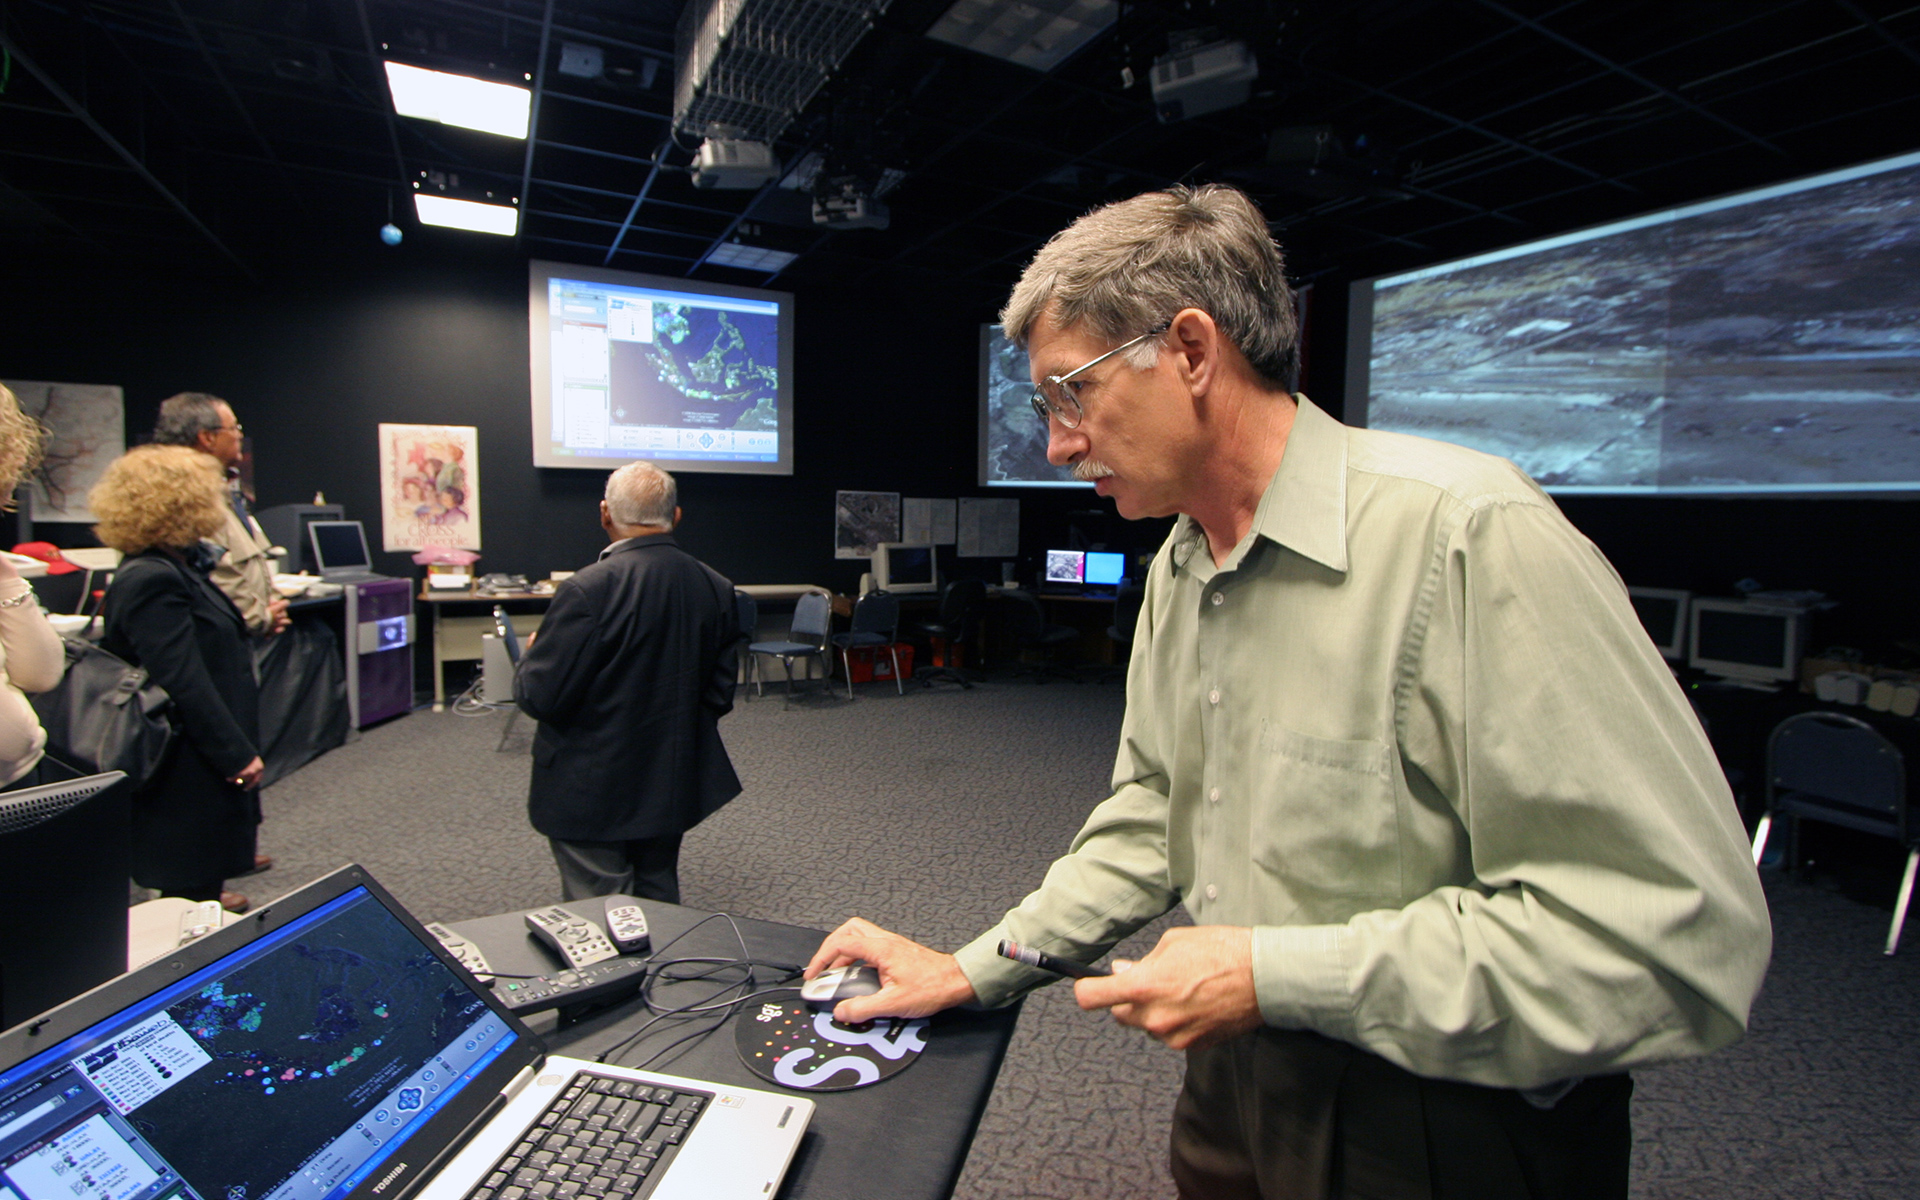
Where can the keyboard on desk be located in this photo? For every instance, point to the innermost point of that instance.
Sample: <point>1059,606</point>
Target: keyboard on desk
<point>600,1137</point>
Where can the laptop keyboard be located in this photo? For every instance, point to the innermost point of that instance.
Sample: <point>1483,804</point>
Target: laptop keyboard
<point>600,1137</point>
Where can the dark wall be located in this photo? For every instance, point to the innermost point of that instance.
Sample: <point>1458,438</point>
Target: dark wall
<point>886,385</point>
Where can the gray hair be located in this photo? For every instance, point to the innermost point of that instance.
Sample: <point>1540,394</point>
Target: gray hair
<point>1124,268</point>
<point>183,418</point>
<point>642,494</point>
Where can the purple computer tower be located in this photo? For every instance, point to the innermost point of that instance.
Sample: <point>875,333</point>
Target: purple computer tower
<point>379,650</point>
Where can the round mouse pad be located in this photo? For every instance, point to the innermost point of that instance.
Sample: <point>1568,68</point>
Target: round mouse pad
<point>794,1046</point>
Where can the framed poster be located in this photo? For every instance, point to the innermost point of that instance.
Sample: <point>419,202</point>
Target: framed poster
<point>429,487</point>
<point>87,425</point>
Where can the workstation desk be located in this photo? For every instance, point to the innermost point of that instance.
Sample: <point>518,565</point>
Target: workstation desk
<point>905,1137</point>
<point>461,617</point>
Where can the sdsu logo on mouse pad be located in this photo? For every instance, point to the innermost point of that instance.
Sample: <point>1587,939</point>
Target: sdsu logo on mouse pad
<point>796,1047</point>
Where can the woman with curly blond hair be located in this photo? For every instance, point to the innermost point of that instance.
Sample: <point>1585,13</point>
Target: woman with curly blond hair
<point>31,659</point>
<point>194,823</point>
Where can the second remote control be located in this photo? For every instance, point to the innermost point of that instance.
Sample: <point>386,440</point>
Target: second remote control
<point>579,941</point>
<point>627,926</point>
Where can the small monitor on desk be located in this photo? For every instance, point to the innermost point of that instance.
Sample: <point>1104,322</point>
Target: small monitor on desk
<point>339,548</point>
<point>1088,572</point>
<point>1664,613</point>
<point>1105,569</point>
<point>1747,643</point>
<point>905,567</point>
<point>1066,569</point>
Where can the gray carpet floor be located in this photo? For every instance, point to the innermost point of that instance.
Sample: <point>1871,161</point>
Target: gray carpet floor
<point>933,812</point>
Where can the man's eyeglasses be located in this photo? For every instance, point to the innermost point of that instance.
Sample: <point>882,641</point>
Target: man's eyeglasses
<point>1054,400</point>
<point>235,428</point>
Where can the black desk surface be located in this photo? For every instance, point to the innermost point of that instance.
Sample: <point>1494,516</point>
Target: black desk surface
<point>906,1136</point>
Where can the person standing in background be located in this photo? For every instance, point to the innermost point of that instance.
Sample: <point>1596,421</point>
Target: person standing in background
<point>195,821</point>
<point>31,657</point>
<point>629,676</point>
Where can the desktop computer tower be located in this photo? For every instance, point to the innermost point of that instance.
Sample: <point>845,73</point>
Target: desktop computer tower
<point>380,636</point>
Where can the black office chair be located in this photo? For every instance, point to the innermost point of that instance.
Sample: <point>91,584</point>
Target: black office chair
<point>806,639</point>
<point>1826,766</point>
<point>503,629</point>
<point>956,627</point>
<point>746,613</point>
<point>1030,630</point>
<point>1126,615</point>
<point>876,622</point>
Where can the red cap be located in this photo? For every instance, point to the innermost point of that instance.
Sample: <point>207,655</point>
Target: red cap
<point>47,553</point>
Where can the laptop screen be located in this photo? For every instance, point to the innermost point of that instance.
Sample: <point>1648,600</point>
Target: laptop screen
<point>289,1069</point>
<point>339,546</point>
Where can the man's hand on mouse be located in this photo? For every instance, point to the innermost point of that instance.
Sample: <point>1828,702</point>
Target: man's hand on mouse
<point>914,980</point>
<point>1193,989</point>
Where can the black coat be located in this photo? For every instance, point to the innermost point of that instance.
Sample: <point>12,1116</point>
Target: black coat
<point>629,676</point>
<point>191,827</point>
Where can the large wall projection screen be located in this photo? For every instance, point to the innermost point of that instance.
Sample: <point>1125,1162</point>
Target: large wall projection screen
<point>692,376</point>
<point>1763,343</point>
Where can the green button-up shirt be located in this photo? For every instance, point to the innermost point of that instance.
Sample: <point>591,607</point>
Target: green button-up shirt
<point>1411,733</point>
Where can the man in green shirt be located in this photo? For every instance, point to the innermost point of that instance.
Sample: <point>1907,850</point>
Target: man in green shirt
<point>1456,851</point>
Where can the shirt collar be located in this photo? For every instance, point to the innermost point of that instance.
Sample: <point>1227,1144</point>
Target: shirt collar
<point>1305,505</point>
<point>634,543</point>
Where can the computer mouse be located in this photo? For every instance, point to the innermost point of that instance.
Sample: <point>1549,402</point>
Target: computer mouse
<point>829,988</point>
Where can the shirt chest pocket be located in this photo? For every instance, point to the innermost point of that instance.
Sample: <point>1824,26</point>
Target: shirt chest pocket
<point>1327,827</point>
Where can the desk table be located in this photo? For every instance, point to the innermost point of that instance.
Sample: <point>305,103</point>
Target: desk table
<point>456,635</point>
<point>906,1137</point>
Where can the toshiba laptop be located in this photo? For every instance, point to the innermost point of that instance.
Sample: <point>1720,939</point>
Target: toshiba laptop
<point>340,551</point>
<point>327,1048</point>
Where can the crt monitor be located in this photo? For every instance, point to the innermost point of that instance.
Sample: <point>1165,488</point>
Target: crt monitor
<point>1663,611</point>
<point>339,546</point>
<point>1747,643</point>
<point>74,832</point>
<point>905,567</point>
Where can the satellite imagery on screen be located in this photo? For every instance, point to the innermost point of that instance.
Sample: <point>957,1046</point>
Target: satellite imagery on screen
<point>293,1047</point>
<point>1014,441</point>
<point>1767,344</point>
<point>705,367</point>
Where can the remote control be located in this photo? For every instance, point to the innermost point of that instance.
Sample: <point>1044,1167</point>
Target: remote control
<point>199,921</point>
<point>464,950</point>
<point>627,926</point>
<point>579,942</point>
<point>611,979</point>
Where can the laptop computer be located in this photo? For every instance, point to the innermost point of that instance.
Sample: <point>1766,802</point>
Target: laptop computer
<point>340,551</point>
<point>328,1048</point>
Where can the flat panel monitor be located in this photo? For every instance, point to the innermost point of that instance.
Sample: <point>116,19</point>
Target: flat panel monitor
<point>689,375</point>
<point>1105,568</point>
<point>339,548</point>
<point>1759,343</point>
<point>1013,441</point>
<point>72,836</point>
<point>1663,611</point>
<point>905,567</point>
<point>1065,569</point>
<point>1745,642</point>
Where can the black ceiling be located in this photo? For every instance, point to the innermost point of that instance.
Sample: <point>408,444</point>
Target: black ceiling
<point>240,136</point>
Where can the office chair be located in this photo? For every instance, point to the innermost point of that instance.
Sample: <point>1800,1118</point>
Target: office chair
<point>1126,614</point>
<point>503,628</point>
<point>1826,766</point>
<point>1031,630</point>
<point>746,613</point>
<point>955,627</point>
<point>876,622</point>
<point>807,639</point>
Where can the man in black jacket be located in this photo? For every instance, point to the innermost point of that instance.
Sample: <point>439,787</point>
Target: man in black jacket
<point>629,676</point>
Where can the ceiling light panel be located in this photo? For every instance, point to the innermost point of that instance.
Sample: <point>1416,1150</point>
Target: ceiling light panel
<point>459,100</point>
<point>1040,34</point>
<point>751,258</point>
<point>466,214</point>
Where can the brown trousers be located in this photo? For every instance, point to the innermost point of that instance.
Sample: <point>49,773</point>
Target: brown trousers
<point>1284,1115</point>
